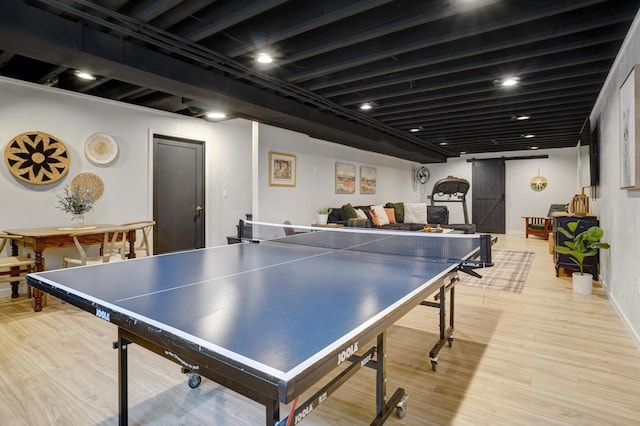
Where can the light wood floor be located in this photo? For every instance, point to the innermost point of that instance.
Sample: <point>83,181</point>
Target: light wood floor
<point>542,357</point>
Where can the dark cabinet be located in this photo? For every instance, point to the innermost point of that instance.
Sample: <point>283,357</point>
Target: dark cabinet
<point>590,264</point>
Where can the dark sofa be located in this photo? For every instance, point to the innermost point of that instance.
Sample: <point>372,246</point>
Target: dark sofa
<point>436,215</point>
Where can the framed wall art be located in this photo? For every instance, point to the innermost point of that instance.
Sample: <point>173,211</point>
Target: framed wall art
<point>629,149</point>
<point>345,178</point>
<point>282,169</point>
<point>368,180</point>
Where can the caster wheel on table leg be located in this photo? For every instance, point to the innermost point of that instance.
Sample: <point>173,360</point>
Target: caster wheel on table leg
<point>450,340</point>
<point>434,365</point>
<point>401,407</point>
<point>194,380</point>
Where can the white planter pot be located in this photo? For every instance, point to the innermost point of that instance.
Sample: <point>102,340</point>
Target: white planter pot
<point>582,283</point>
<point>322,218</point>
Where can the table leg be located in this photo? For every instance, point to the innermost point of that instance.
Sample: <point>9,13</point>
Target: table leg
<point>123,404</point>
<point>397,403</point>
<point>131,237</point>
<point>14,271</point>
<point>37,294</point>
<point>273,413</point>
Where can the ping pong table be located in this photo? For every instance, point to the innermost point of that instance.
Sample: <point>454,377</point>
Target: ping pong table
<point>272,318</point>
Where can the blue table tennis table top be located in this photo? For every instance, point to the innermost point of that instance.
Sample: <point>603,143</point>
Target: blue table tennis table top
<point>276,308</point>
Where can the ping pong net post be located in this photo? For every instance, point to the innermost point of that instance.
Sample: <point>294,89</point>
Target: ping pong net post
<point>484,260</point>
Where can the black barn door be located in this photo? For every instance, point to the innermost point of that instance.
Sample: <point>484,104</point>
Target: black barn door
<point>488,204</point>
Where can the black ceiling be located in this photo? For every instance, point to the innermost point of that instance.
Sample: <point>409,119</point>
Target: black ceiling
<point>431,65</point>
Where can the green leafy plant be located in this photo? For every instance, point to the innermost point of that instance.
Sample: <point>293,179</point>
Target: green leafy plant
<point>324,210</point>
<point>582,245</point>
<point>75,202</point>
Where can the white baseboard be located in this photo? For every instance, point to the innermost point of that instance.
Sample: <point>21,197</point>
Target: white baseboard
<point>635,335</point>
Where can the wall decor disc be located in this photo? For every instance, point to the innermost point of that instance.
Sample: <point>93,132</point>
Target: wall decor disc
<point>37,158</point>
<point>539,183</point>
<point>88,182</point>
<point>101,148</point>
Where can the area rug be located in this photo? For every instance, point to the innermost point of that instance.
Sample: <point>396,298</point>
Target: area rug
<point>509,272</point>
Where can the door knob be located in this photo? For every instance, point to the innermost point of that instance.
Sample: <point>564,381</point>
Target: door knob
<point>199,208</point>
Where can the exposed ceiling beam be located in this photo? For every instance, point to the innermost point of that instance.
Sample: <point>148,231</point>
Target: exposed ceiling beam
<point>38,34</point>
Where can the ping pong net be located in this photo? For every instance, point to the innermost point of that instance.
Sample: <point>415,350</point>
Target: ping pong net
<point>469,250</point>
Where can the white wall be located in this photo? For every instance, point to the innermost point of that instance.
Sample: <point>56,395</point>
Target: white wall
<point>560,169</point>
<point>315,182</point>
<point>619,209</point>
<point>127,183</point>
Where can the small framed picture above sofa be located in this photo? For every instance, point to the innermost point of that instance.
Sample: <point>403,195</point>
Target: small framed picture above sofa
<point>345,178</point>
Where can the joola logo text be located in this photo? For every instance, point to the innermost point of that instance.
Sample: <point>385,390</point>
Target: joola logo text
<point>103,314</point>
<point>302,414</point>
<point>344,355</point>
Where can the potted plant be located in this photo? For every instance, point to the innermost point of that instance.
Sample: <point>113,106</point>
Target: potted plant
<point>578,247</point>
<point>77,203</point>
<point>322,215</point>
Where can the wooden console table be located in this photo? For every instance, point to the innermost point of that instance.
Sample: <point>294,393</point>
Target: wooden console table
<point>40,239</point>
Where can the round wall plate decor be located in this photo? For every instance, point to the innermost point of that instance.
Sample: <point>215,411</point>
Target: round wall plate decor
<point>101,148</point>
<point>539,183</point>
<point>37,158</point>
<point>88,182</point>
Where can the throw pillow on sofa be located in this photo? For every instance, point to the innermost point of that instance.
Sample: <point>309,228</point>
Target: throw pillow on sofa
<point>415,212</point>
<point>348,212</point>
<point>374,218</point>
<point>391,215</point>
<point>370,217</point>
<point>381,215</point>
<point>398,210</point>
<point>361,214</point>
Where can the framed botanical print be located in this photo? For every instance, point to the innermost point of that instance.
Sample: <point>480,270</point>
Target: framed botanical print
<point>282,169</point>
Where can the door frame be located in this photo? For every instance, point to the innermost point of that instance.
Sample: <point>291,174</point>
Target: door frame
<point>151,133</point>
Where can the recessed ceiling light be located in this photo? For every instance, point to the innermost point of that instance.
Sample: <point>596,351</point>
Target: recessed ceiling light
<point>264,58</point>
<point>216,115</point>
<point>528,135</point>
<point>443,143</point>
<point>510,81</point>
<point>366,106</point>
<point>506,81</point>
<point>463,152</point>
<point>84,75</point>
<point>521,117</point>
<point>415,129</point>
<point>533,147</point>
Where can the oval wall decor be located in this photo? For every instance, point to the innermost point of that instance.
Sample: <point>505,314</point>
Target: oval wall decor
<point>37,158</point>
<point>101,148</point>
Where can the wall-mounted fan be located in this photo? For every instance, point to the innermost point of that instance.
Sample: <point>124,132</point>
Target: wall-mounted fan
<point>421,175</point>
